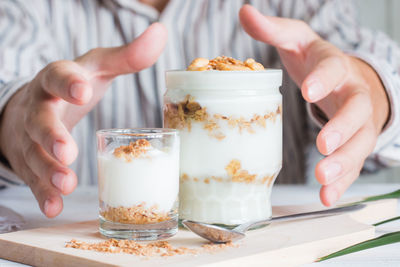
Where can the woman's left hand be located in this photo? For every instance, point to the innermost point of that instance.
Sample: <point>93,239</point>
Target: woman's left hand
<point>345,88</point>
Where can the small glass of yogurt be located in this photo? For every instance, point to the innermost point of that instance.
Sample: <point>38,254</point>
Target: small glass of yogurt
<point>138,172</point>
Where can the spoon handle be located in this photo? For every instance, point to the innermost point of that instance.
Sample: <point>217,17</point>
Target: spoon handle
<point>320,213</point>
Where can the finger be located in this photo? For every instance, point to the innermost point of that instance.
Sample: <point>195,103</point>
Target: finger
<point>44,128</point>
<point>346,158</point>
<point>48,198</point>
<point>330,194</point>
<point>337,171</point>
<point>286,34</point>
<point>46,168</point>
<point>133,57</point>
<point>53,204</point>
<point>66,80</point>
<point>354,113</point>
<point>329,74</point>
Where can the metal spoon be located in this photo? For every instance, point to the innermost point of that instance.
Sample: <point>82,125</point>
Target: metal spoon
<point>218,234</point>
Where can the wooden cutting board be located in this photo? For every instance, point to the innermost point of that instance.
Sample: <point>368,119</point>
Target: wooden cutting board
<point>283,244</point>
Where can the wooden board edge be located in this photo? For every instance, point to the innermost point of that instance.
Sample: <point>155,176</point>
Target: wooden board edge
<point>377,211</point>
<point>35,256</point>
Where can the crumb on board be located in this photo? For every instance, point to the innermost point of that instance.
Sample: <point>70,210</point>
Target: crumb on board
<point>213,247</point>
<point>151,249</point>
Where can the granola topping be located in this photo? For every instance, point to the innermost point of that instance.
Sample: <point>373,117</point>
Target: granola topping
<point>133,150</point>
<point>138,214</point>
<point>158,248</point>
<point>224,64</point>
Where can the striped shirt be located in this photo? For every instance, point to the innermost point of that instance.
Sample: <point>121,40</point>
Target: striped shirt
<point>36,32</point>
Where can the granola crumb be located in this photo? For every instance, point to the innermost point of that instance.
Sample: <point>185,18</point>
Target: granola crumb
<point>133,150</point>
<point>199,64</point>
<point>271,178</point>
<point>213,247</point>
<point>138,214</point>
<point>147,250</point>
<point>267,179</point>
<point>224,63</point>
<point>220,136</point>
<point>252,64</point>
<point>218,179</point>
<point>184,177</point>
<point>279,109</point>
<point>237,174</point>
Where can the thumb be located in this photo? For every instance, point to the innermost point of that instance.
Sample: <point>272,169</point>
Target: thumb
<point>133,57</point>
<point>286,34</point>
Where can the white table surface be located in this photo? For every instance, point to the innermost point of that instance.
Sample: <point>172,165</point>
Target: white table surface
<point>82,205</point>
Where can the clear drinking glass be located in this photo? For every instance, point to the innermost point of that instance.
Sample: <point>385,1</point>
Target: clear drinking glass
<point>230,126</point>
<point>138,172</point>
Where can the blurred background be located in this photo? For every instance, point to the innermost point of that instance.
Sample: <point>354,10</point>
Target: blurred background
<point>381,15</point>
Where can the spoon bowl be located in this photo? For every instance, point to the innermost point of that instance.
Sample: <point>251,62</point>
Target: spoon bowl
<point>214,233</point>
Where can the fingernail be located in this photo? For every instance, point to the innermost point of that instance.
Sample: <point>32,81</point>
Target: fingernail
<point>76,91</point>
<point>332,171</point>
<point>46,206</point>
<point>58,150</point>
<point>315,90</point>
<point>332,196</point>
<point>332,141</point>
<point>58,180</point>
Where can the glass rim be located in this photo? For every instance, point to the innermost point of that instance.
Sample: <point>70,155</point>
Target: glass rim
<point>264,80</point>
<point>136,132</point>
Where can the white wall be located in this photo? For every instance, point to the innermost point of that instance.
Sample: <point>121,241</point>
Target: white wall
<point>382,15</point>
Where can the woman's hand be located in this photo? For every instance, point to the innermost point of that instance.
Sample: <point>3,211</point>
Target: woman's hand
<point>36,123</point>
<point>346,89</point>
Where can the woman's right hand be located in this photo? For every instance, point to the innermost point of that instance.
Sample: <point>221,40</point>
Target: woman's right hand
<point>36,123</point>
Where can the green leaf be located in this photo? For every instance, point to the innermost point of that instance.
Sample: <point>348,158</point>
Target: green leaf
<point>395,194</point>
<point>383,240</point>
<point>386,221</point>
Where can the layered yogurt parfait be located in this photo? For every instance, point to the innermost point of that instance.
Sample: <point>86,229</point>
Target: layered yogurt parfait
<point>138,173</point>
<point>229,115</point>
